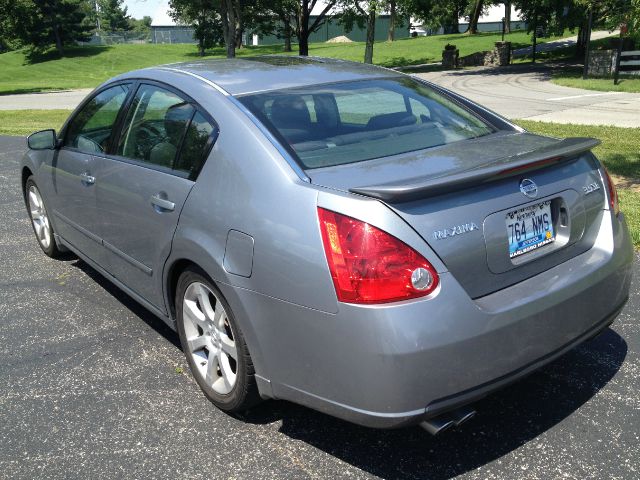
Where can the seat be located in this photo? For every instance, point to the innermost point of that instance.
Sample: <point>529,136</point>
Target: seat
<point>175,121</point>
<point>290,115</point>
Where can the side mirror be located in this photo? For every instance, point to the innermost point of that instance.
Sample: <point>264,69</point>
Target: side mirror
<point>43,140</point>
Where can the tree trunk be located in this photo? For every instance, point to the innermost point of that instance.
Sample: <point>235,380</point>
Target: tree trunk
<point>371,35</point>
<point>391,35</point>
<point>287,34</point>
<point>227,12</point>
<point>239,24</point>
<point>475,16</point>
<point>507,17</point>
<point>303,36</point>
<point>56,32</point>
<point>201,47</point>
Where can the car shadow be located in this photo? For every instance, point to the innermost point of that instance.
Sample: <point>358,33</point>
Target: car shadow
<point>134,307</point>
<point>505,420</point>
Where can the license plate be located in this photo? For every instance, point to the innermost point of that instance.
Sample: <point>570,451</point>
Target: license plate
<point>529,228</point>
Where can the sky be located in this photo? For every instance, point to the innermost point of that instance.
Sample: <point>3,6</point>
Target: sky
<point>141,8</point>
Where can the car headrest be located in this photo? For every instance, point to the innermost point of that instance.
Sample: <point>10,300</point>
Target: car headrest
<point>391,120</point>
<point>175,120</point>
<point>290,112</point>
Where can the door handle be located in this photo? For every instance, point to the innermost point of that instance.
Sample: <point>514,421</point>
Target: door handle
<point>163,203</point>
<point>87,179</point>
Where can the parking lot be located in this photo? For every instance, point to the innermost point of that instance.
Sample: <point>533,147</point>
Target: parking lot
<point>94,386</point>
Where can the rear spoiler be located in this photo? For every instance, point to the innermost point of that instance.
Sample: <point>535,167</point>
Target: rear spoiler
<point>504,167</point>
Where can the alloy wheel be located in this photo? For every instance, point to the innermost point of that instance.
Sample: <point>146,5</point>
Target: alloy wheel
<point>39,217</point>
<point>210,339</point>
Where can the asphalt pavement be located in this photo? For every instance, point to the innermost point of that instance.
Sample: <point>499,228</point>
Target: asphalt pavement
<point>94,386</point>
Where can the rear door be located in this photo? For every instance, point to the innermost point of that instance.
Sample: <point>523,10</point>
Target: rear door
<point>88,133</point>
<point>161,147</point>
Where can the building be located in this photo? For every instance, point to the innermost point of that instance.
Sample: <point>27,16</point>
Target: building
<point>165,29</point>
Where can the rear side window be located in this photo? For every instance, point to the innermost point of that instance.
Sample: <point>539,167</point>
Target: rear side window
<point>336,124</point>
<point>91,129</point>
<point>195,145</point>
<point>155,126</point>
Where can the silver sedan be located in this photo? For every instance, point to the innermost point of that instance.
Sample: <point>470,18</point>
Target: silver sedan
<point>338,235</point>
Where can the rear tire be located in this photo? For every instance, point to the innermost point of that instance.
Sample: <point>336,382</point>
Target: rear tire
<point>213,344</point>
<point>40,221</point>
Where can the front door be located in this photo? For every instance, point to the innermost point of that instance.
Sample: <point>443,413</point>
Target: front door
<point>74,171</point>
<point>142,188</point>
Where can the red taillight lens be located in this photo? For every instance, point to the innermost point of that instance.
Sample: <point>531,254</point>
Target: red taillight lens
<point>614,205</point>
<point>371,266</point>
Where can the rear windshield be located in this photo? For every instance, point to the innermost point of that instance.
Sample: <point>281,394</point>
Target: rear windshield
<point>336,124</point>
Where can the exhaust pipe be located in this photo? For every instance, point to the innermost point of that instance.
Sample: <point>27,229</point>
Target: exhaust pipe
<point>447,420</point>
<point>438,424</point>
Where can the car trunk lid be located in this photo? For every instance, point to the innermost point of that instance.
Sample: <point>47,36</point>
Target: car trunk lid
<point>457,198</point>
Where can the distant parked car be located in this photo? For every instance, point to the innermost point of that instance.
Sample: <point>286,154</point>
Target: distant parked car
<point>339,235</point>
<point>419,31</point>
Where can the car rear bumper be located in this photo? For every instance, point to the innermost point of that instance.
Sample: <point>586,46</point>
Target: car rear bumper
<point>398,364</point>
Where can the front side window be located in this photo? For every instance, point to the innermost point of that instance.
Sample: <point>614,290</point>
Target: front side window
<point>91,129</point>
<point>361,120</point>
<point>155,126</point>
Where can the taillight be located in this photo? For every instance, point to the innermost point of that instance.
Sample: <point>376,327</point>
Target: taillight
<point>612,193</point>
<point>371,266</point>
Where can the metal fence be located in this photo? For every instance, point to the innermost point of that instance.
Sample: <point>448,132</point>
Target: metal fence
<point>630,62</point>
<point>113,38</point>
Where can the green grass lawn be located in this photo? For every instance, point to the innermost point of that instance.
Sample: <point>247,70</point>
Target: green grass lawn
<point>24,122</point>
<point>620,152</point>
<point>573,78</point>
<point>86,67</point>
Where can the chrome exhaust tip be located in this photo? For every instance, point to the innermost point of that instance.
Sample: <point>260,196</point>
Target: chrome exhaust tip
<point>447,420</point>
<point>438,424</point>
<point>463,414</point>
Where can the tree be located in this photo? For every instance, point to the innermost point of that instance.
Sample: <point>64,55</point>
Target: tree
<point>204,18</point>
<point>295,16</point>
<point>392,21</point>
<point>439,13</point>
<point>362,13</point>
<point>507,17</point>
<point>475,17</point>
<point>113,16</point>
<point>53,22</point>
<point>140,26</point>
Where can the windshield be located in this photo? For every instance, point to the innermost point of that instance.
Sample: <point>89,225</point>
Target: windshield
<point>336,124</point>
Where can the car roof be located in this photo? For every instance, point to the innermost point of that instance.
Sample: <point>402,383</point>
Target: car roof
<point>245,75</point>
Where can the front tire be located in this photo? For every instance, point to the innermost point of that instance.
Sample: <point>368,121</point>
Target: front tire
<point>213,344</point>
<point>40,221</point>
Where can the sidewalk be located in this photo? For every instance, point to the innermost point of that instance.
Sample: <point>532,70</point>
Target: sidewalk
<point>63,100</point>
<point>526,92</point>
<point>561,43</point>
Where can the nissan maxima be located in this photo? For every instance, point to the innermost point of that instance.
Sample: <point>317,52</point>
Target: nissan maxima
<point>334,234</point>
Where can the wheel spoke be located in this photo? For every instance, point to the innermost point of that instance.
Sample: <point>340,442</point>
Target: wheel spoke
<point>205,303</point>
<point>212,368</point>
<point>198,343</point>
<point>228,346</point>
<point>220,317</point>
<point>33,199</point>
<point>193,314</point>
<point>227,374</point>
